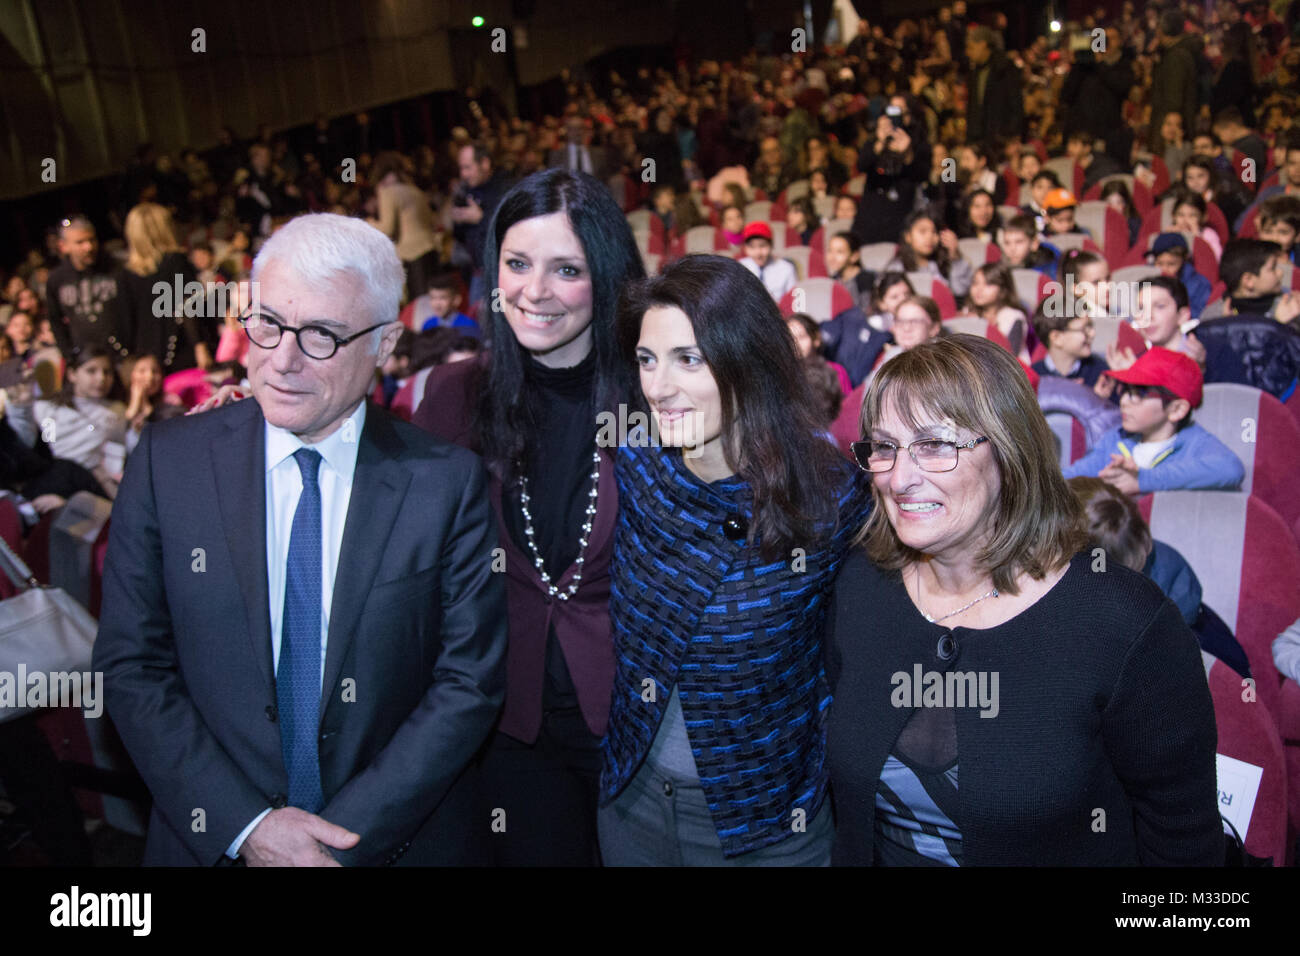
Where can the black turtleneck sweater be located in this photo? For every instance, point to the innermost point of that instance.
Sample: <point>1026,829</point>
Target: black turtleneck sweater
<point>559,484</point>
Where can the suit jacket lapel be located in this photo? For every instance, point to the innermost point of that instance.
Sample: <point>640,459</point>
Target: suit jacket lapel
<point>239,466</point>
<point>378,489</point>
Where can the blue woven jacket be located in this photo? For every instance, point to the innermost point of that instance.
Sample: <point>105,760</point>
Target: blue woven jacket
<point>742,639</point>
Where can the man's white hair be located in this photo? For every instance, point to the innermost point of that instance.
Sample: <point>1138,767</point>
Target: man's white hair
<point>324,248</point>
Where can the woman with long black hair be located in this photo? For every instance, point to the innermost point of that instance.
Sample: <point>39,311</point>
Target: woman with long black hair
<point>734,515</point>
<point>558,252</point>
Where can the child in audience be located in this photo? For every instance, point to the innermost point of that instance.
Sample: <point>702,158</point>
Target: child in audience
<point>993,298</point>
<point>1279,221</point>
<point>81,423</point>
<point>807,335</point>
<point>1251,269</point>
<point>396,368</point>
<point>801,222</point>
<point>1060,207</point>
<point>1086,276</point>
<point>777,275</point>
<point>663,203</point>
<point>1116,195</point>
<point>1043,182</point>
<point>1162,314</point>
<point>147,402</point>
<point>925,249</point>
<point>846,208</point>
<point>1157,446</point>
<point>1190,212</point>
<point>979,218</point>
<point>1022,249</point>
<point>1066,329</point>
<point>1169,255</point>
<point>22,333</point>
<point>856,341</point>
<point>842,265</point>
<point>733,225</point>
<point>1115,525</point>
<point>442,307</point>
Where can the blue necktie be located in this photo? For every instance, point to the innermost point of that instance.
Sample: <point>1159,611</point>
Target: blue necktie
<point>298,679</point>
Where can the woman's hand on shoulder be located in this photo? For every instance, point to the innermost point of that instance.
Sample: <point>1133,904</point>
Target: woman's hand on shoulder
<point>223,396</point>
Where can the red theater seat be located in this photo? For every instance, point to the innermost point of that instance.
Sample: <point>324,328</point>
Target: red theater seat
<point>1246,733</point>
<point>1248,563</point>
<point>1264,435</point>
<point>822,298</point>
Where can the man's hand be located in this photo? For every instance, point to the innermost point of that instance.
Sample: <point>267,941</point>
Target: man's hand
<point>899,141</point>
<point>293,837</point>
<point>1195,349</point>
<point>469,214</point>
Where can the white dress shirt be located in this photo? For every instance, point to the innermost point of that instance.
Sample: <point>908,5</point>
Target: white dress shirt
<point>778,276</point>
<point>338,463</point>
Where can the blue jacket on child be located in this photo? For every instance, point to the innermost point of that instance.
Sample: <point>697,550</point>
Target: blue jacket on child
<point>1196,461</point>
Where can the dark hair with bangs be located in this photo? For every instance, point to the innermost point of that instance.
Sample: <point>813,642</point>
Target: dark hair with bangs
<point>771,427</point>
<point>977,385</point>
<point>504,425</point>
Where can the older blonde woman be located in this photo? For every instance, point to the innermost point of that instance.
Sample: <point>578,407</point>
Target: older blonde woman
<point>1000,697</point>
<point>152,292</point>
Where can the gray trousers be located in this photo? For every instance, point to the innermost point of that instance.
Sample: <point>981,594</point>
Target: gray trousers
<point>660,820</point>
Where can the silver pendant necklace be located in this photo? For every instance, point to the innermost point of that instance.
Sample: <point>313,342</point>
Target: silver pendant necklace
<point>936,620</point>
<point>572,589</point>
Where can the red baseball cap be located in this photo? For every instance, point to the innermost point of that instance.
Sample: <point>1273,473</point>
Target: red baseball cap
<point>757,230</point>
<point>1174,370</point>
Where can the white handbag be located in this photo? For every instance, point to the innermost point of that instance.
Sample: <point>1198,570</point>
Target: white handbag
<point>46,641</point>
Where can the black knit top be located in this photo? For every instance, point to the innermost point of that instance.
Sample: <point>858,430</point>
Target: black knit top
<point>1101,751</point>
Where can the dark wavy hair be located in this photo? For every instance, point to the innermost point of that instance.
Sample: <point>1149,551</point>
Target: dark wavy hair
<point>771,427</point>
<point>504,425</point>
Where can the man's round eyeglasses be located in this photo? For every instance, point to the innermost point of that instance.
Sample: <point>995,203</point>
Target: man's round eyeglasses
<point>929,454</point>
<point>315,341</point>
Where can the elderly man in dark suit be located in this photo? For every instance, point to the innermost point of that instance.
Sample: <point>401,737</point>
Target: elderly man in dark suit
<point>302,636</point>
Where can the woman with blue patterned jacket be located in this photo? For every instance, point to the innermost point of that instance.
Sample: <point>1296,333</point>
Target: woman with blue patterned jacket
<point>734,516</point>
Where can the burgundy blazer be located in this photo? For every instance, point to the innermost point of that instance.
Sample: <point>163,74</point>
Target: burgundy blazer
<point>582,622</point>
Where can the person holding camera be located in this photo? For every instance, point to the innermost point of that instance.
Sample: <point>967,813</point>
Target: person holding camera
<point>895,166</point>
